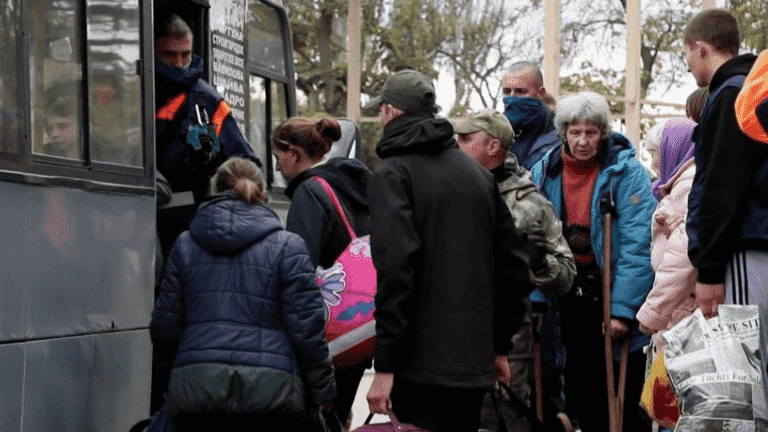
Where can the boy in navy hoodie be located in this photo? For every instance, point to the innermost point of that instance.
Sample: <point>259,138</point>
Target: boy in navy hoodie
<point>728,204</point>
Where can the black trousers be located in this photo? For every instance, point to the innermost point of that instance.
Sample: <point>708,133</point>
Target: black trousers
<point>437,408</point>
<point>585,371</point>
<point>347,383</point>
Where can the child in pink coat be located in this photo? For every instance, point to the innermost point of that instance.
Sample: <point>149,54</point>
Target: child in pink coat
<point>672,296</point>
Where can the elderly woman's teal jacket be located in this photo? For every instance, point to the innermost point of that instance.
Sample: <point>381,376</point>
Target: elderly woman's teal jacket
<point>625,183</point>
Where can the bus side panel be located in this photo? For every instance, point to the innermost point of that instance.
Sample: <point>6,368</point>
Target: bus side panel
<point>74,262</point>
<point>86,383</point>
<point>11,382</point>
<point>122,385</point>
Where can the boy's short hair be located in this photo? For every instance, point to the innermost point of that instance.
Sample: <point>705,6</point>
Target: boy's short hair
<point>717,27</point>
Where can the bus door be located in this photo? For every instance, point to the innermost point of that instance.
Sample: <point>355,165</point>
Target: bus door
<point>246,48</point>
<point>247,51</point>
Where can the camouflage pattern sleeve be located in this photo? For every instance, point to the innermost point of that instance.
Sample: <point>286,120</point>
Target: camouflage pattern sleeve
<point>532,211</point>
<point>560,271</point>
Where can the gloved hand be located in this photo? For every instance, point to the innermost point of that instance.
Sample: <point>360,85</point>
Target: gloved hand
<point>537,246</point>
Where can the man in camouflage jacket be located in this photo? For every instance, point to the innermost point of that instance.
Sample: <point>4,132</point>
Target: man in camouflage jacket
<point>486,137</point>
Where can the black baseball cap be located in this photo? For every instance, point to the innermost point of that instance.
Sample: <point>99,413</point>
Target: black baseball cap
<point>408,90</point>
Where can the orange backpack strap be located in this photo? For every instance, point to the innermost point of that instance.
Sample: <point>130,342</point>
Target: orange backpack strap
<point>168,111</point>
<point>753,93</point>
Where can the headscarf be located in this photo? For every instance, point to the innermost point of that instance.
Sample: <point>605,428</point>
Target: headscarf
<point>675,148</point>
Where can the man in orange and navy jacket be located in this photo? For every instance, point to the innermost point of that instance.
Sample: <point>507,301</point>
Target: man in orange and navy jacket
<point>752,103</point>
<point>180,96</point>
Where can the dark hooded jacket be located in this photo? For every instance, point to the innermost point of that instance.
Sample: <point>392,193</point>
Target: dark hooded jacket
<point>240,303</point>
<point>728,203</point>
<point>527,148</point>
<point>178,91</point>
<point>313,216</point>
<point>542,146</point>
<point>451,269</point>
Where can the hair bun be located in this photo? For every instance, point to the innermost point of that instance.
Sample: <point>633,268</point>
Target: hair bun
<point>329,128</point>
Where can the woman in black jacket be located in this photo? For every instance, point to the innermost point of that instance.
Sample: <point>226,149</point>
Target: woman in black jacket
<point>300,145</point>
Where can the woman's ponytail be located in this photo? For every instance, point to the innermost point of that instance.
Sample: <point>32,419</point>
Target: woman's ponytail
<point>242,177</point>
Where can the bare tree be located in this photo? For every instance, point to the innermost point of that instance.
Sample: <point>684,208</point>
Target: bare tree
<point>484,39</point>
<point>474,41</point>
<point>598,32</point>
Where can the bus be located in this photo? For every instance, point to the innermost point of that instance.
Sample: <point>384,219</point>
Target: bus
<point>77,179</point>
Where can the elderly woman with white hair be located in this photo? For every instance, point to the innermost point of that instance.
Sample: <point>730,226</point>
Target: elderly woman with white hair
<point>589,165</point>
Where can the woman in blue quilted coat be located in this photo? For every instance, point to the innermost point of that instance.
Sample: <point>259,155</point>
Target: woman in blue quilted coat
<point>240,308</point>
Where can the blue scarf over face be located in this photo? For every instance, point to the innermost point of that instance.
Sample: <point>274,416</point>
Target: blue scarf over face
<point>521,110</point>
<point>530,119</point>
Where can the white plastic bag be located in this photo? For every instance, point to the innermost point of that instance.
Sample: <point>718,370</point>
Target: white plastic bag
<point>714,367</point>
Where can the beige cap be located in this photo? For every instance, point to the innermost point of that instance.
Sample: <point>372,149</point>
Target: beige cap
<point>489,120</point>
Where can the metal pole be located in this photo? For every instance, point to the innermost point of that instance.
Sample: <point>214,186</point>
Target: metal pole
<point>633,72</point>
<point>354,31</point>
<point>552,44</point>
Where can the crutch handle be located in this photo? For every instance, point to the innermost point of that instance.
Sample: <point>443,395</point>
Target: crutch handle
<point>607,206</point>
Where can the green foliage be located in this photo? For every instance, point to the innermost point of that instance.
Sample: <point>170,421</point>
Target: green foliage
<point>751,15</point>
<point>471,39</point>
<point>477,40</point>
<point>405,35</point>
<point>606,82</point>
<point>484,39</point>
<point>661,50</point>
<point>599,30</point>
<point>318,43</point>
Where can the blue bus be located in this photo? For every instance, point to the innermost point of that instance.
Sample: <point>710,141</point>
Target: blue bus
<point>77,187</point>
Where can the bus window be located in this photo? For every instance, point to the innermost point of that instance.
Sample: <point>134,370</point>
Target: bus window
<point>114,99</point>
<point>265,38</point>
<point>261,131</point>
<point>10,114</point>
<point>278,99</point>
<point>279,103</point>
<point>258,127</point>
<point>56,74</point>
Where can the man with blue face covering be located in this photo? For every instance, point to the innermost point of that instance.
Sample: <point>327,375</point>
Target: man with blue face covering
<point>195,130</point>
<point>523,88</point>
<point>533,123</point>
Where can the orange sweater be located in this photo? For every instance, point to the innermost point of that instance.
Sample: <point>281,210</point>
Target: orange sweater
<point>578,184</point>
